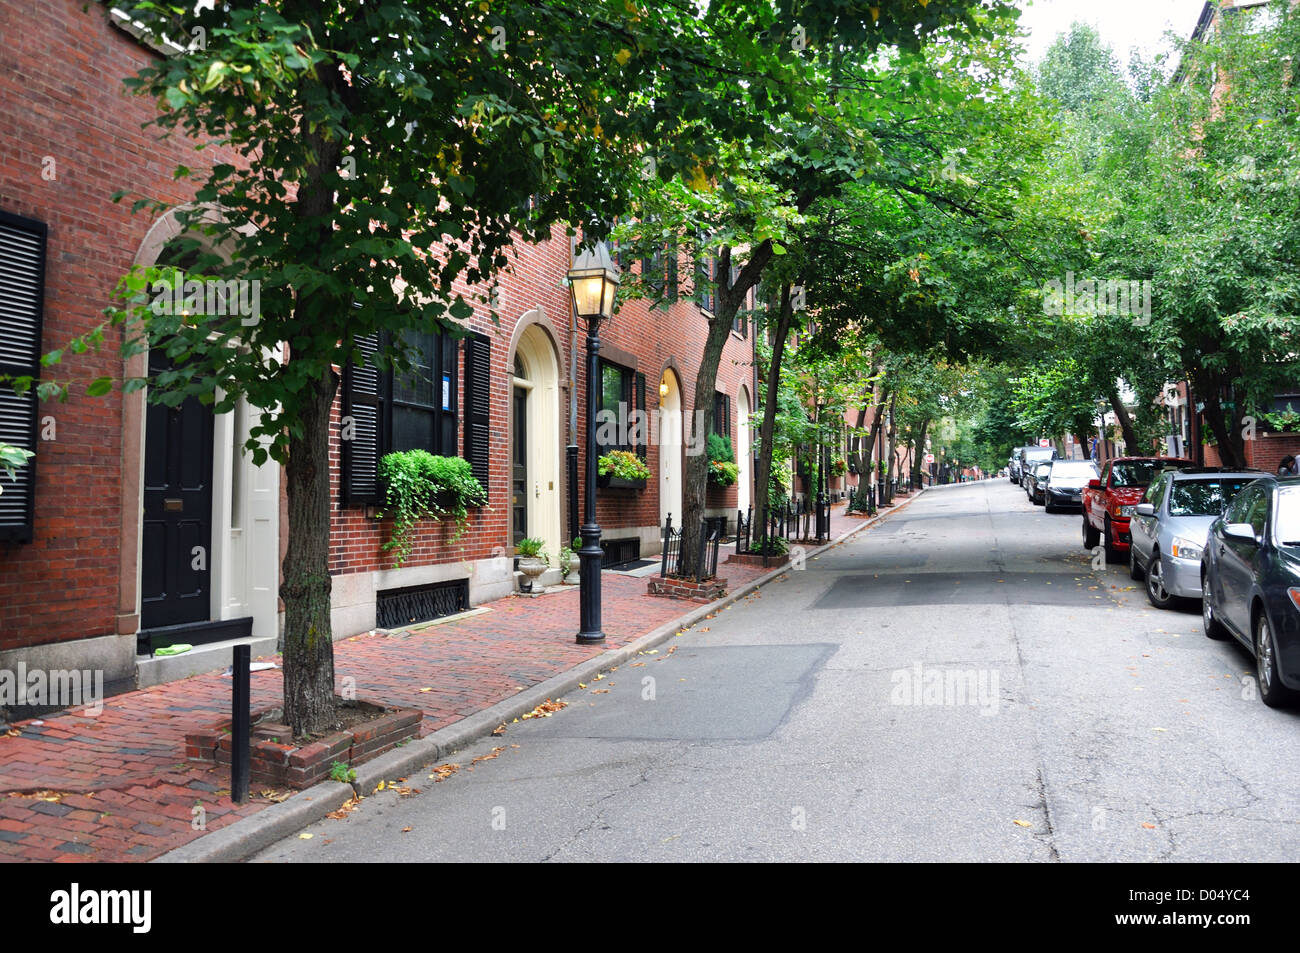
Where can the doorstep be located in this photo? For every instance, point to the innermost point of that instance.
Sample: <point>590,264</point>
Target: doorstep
<point>213,656</point>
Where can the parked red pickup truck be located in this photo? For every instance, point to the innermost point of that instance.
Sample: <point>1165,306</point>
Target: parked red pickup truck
<point>1110,500</point>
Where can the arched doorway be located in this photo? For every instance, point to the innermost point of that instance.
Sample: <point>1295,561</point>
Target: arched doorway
<point>202,519</point>
<point>670,448</point>
<point>535,441</point>
<point>743,455</point>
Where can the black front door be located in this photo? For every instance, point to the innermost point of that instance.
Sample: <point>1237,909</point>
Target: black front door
<point>175,578</point>
<point>519,474</point>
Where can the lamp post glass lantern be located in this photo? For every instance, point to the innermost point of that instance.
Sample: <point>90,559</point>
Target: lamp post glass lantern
<point>593,282</point>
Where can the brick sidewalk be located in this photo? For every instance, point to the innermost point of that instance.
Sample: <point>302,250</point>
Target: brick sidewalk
<point>117,787</point>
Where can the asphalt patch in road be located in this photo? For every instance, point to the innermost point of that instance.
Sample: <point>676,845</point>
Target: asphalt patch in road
<point>965,588</point>
<point>722,693</point>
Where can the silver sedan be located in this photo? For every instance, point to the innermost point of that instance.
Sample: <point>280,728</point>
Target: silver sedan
<point>1170,526</point>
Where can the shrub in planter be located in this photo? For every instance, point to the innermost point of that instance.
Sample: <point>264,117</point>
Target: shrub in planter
<point>419,485</point>
<point>533,558</point>
<point>623,464</point>
<point>723,469</point>
<point>839,467</point>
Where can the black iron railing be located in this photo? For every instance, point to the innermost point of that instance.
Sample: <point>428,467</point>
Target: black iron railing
<point>706,563</point>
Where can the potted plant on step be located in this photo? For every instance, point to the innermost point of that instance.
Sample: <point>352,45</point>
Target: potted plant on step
<point>533,560</point>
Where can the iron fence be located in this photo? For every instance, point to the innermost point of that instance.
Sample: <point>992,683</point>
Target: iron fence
<point>706,563</point>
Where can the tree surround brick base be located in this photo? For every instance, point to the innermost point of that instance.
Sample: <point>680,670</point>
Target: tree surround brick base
<point>274,762</point>
<point>703,592</point>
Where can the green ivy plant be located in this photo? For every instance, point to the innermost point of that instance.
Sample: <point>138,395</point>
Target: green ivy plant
<point>623,464</point>
<point>566,559</point>
<point>419,485</point>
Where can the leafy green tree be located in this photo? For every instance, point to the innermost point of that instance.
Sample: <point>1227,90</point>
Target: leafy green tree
<point>394,150</point>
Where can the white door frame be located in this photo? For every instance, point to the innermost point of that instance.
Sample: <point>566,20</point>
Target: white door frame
<point>244,563</point>
<point>541,368</point>
<point>743,455</point>
<point>670,448</point>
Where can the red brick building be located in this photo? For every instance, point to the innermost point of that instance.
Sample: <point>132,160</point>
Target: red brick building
<point>86,572</point>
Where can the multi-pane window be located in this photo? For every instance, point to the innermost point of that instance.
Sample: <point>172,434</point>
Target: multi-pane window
<point>622,391</point>
<point>721,414</point>
<point>416,409</point>
<point>424,397</point>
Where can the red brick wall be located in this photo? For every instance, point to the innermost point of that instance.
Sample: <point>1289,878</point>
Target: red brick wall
<point>61,66</point>
<point>654,336</point>
<point>1264,453</point>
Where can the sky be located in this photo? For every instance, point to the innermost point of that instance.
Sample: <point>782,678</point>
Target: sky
<point>1122,24</point>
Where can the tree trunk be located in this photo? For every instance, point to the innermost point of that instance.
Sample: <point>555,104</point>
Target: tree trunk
<point>918,461</point>
<point>890,437</point>
<point>1125,421</point>
<point>308,641</point>
<point>766,430</point>
<point>880,394</point>
<point>308,637</point>
<point>729,297</point>
<point>1226,431</point>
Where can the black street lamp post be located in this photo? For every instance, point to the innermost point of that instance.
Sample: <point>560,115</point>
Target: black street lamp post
<point>593,280</point>
<point>821,453</point>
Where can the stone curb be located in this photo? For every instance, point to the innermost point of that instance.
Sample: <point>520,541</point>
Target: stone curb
<point>246,837</point>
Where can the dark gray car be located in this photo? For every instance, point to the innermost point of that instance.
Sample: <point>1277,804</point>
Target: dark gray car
<point>1066,479</point>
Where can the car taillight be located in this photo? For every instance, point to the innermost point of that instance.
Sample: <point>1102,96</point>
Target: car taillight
<point>1294,593</point>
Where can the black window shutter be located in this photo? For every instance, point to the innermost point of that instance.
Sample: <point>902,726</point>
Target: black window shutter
<point>449,414</point>
<point>364,392</point>
<point>671,272</point>
<point>478,405</point>
<point>645,416</point>
<point>22,299</point>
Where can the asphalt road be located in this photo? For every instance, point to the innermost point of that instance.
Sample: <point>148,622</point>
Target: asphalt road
<point>955,683</point>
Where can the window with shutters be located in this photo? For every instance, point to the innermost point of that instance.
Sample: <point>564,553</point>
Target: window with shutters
<point>417,409</point>
<point>721,414</point>
<point>616,406</point>
<point>706,272</point>
<point>22,296</point>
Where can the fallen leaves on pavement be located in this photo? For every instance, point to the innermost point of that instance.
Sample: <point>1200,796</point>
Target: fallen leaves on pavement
<point>443,771</point>
<point>548,708</point>
<point>495,752</point>
<point>350,805</point>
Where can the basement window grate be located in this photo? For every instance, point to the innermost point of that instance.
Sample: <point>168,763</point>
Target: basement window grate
<point>395,608</point>
<point>618,551</point>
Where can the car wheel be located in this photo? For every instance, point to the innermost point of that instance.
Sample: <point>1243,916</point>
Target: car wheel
<point>1271,690</point>
<point>1108,539</point>
<point>1156,591</point>
<point>1213,627</point>
<point>1089,534</point>
<point>1134,570</point>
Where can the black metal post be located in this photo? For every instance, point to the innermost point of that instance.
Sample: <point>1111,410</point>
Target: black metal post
<point>571,463</point>
<point>589,557</point>
<point>821,476</point>
<point>668,541</point>
<point>239,724</point>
